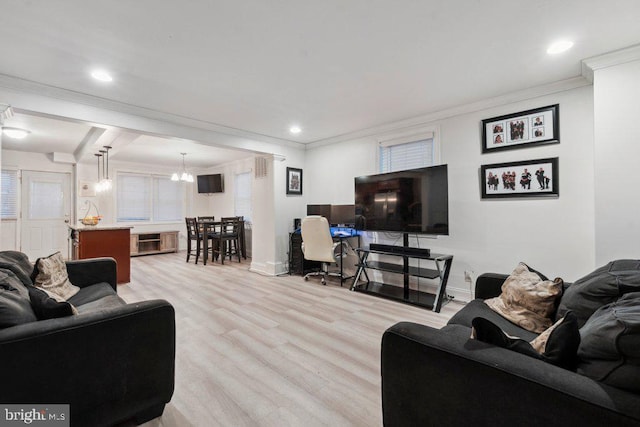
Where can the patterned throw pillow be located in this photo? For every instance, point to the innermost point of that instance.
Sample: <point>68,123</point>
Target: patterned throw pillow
<point>52,277</point>
<point>527,299</point>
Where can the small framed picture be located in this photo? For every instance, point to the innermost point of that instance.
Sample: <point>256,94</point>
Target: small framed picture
<point>524,129</point>
<point>529,178</point>
<point>294,181</point>
<point>87,189</point>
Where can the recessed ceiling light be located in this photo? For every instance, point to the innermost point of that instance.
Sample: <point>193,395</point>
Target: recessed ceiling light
<point>15,133</point>
<point>295,129</point>
<point>101,75</point>
<point>559,47</point>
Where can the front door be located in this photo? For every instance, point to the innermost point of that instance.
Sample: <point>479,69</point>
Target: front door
<point>46,209</point>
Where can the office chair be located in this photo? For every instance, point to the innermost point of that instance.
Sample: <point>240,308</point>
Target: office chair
<point>318,245</point>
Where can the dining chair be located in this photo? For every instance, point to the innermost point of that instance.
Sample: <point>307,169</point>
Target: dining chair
<point>194,237</point>
<point>230,236</point>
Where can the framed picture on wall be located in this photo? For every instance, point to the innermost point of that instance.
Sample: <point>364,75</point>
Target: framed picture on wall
<point>87,189</point>
<point>524,129</point>
<point>529,178</point>
<point>294,181</point>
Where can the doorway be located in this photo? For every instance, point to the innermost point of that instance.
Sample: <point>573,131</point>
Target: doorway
<point>46,211</point>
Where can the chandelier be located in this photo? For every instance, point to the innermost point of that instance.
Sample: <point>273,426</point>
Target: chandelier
<point>184,176</point>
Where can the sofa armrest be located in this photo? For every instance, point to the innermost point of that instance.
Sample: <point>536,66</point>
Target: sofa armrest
<point>441,377</point>
<point>107,365</point>
<point>86,272</point>
<point>489,285</point>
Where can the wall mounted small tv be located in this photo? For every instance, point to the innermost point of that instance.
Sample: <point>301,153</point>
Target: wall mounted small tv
<point>211,183</point>
<point>411,201</point>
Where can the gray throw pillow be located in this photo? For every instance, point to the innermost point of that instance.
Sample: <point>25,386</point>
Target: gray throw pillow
<point>610,344</point>
<point>14,309</point>
<point>603,286</point>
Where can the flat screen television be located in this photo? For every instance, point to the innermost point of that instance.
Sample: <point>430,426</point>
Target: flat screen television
<point>343,215</point>
<point>211,183</point>
<point>411,201</point>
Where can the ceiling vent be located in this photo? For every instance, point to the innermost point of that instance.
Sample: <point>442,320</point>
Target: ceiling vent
<point>261,167</point>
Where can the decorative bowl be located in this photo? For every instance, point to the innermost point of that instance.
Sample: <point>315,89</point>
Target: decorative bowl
<point>90,220</point>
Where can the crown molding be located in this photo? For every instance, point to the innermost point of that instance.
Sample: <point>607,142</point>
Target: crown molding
<point>417,122</point>
<point>23,86</point>
<point>610,59</point>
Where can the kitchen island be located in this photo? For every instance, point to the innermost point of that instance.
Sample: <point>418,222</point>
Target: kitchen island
<point>92,241</point>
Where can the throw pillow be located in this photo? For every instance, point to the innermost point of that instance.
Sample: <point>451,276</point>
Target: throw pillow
<point>527,299</point>
<point>14,309</point>
<point>557,345</point>
<point>46,307</point>
<point>601,287</point>
<point>610,346</point>
<point>51,274</point>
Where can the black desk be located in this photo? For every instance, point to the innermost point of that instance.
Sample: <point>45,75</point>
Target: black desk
<point>301,266</point>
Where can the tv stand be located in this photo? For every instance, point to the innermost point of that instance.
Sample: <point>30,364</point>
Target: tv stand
<point>404,293</point>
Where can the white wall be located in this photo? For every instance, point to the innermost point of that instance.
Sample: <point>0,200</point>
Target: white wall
<point>555,236</point>
<point>617,150</point>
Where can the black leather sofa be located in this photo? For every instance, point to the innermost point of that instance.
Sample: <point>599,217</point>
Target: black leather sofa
<point>113,362</point>
<point>440,377</point>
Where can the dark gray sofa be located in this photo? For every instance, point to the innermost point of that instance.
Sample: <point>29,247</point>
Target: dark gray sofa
<point>113,362</point>
<point>440,377</point>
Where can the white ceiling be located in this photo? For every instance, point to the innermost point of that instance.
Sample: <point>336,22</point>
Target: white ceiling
<point>333,67</point>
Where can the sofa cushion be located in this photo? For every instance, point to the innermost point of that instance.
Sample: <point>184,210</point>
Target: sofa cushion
<point>557,345</point>
<point>9,281</point>
<point>600,287</point>
<point>477,308</point>
<point>528,299</point>
<point>19,264</point>
<point>46,306</point>
<point>14,309</point>
<point>610,346</point>
<point>91,293</point>
<point>51,274</point>
<point>103,303</point>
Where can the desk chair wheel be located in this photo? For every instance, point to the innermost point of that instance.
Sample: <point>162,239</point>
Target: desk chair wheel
<point>306,279</point>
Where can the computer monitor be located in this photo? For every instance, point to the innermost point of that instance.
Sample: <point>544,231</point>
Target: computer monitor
<point>322,210</point>
<point>343,215</point>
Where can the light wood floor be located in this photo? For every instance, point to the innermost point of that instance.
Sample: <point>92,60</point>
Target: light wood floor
<point>270,351</point>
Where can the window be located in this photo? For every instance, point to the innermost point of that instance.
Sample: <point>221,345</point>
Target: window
<point>405,153</point>
<point>134,197</point>
<point>168,199</point>
<point>9,179</point>
<point>149,198</point>
<point>242,193</point>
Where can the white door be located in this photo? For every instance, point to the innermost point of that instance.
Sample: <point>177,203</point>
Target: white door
<point>46,209</point>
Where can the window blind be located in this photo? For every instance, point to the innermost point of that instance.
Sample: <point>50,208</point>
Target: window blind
<point>168,199</point>
<point>409,155</point>
<point>9,205</point>
<point>242,193</point>
<point>134,197</point>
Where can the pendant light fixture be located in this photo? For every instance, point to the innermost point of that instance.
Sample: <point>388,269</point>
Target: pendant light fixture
<point>184,176</point>
<point>98,186</point>
<point>104,183</point>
